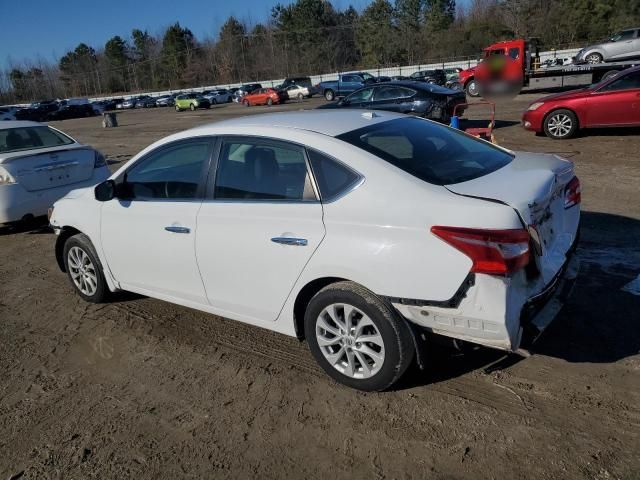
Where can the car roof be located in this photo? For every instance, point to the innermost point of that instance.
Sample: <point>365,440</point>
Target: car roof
<point>326,122</point>
<point>18,124</point>
<point>415,84</point>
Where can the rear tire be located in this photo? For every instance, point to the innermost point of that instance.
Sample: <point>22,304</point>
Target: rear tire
<point>177,108</point>
<point>246,103</point>
<point>84,269</point>
<point>300,97</point>
<point>329,96</point>
<point>269,102</point>
<point>560,124</point>
<point>357,338</point>
<point>192,107</point>
<point>214,101</point>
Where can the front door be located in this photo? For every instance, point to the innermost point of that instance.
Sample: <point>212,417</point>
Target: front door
<point>617,103</point>
<point>258,228</point>
<point>148,234</point>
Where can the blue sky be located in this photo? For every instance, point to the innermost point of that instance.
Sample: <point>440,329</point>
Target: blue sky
<point>49,28</point>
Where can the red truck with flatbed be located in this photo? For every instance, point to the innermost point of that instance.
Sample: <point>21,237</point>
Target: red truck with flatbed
<point>515,64</point>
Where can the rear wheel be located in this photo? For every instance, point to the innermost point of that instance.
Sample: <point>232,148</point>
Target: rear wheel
<point>357,338</point>
<point>594,58</point>
<point>177,108</point>
<point>269,102</point>
<point>561,124</point>
<point>246,103</point>
<point>84,269</point>
<point>192,107</point>
<point>300,97</point>
<point>214,101</point>
<point>329,95</point>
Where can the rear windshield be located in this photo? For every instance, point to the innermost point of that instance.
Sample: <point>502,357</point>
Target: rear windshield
<point>432,152</point>
<point>28,138</point>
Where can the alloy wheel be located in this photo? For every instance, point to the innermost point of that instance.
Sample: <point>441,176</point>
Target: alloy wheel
<point>83,272</point>
<point>350,341</point>
<point>559,125</point>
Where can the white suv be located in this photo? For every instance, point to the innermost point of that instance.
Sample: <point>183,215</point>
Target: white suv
<point>359,231</point>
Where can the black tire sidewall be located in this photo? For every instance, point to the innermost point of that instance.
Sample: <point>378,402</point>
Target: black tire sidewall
<point>83,242</point>
<point>574,124</point>
<point>395,334</point>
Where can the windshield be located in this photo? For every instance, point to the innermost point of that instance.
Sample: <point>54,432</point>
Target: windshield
<point>28,138</point>
<point>431,152</point>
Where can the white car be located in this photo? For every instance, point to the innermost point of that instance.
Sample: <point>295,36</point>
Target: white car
<point>40,164</point>
<point>218,96</point>
<point>296,92</point>
<point>362,232</point>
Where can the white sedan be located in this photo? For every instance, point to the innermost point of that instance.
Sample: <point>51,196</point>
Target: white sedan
<point>296,92</point>
<point>39,165</point>
<point>363,232</point>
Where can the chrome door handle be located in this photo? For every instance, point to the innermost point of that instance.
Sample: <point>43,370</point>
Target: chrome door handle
<point>299,242</point>
<point>174,229</point>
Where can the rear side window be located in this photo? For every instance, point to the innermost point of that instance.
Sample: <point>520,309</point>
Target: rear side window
<point>431,152</point>
<point>28,138</point>
<point>333,178</point>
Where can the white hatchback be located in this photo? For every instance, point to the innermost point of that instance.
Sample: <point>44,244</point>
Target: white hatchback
<point>364,233</point>
<point>39,165</point>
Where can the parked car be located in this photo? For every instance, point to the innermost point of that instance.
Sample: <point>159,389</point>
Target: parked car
<point>614,102</point>
<point>129,103</point>
<point>294,92</point>
<point>410,97</point>
<point>145,101</point>
<point>165,101</point>
<point>191,101</point>
<point>220,95</point>
<point>452,74</point>
<point>247,88</point>
<point>301,81</point>
<point>347,83</point>
<point>437,77</point>
<point>361,233</point>
<point>72,109</point>
<point>40,164</point>
<point>38,111</point>
<point>620,46</point>
<point>262,96</point>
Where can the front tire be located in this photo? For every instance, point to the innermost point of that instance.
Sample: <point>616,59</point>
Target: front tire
<point>329,96</point>
<point>246,103</point>
<point>472,88</point>
<point>594,58</point>
<point>357,338</point>
<point>561,124</point>
<point>84,269</point>
<point>192,107</point>
<point>177,108</point>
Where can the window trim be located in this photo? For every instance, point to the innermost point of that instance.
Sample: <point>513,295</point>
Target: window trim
<point>200,192</point>
<point>209,195</point>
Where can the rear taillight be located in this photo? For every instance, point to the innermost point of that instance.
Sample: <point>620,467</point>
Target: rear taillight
<point>572,193</point>
<point>494,252</point>
<point>99,160</point>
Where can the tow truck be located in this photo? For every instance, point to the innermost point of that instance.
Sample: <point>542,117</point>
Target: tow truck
<point>516,63</point>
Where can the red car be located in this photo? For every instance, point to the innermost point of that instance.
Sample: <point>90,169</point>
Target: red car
<point>262,96</point>
<point>614,102</point>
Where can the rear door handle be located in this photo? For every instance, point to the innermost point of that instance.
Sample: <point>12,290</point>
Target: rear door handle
<point>299,242</point>
<point>174,229</point>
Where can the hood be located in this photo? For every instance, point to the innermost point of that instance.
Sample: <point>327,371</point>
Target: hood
<point>565,95</point>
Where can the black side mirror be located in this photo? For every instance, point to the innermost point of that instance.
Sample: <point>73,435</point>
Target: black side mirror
<point>105,191</point>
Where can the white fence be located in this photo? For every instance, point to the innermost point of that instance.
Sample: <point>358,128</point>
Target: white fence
<point>389,72</point>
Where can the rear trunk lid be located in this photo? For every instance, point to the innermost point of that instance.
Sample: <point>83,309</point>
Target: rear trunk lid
<point>534,186</point>
<point>52,168</point>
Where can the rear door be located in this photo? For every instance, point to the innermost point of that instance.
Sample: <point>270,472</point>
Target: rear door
<point>360,99</point>
<point>617,103</point>
<point>258,228</point>
<point>148,234</point>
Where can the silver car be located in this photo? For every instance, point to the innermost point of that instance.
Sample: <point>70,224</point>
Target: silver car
<point>622,45</point>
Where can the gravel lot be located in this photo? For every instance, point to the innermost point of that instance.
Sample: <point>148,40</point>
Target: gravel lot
<point>139,388</point>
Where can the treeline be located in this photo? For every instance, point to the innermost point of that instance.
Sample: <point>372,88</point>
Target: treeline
<point>310,37</point>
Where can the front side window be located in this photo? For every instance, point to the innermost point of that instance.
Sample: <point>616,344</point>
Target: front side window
<point>628,82</point>
<point>514,53</point>
<point>28,138</point>
<point>255,170</point>
<point>360,96</point>
<point>433,153</point>
<point>174,172</point>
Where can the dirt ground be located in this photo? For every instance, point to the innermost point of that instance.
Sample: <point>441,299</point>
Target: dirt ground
<point>139,388</point>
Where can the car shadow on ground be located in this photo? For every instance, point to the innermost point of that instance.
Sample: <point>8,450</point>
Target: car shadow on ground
<point>610,132</point>
<point>483,123</point>
<point>599,323</point>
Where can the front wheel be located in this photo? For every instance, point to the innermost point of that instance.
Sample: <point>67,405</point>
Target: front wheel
<point>177,108</point>
<point>84,269</point>
<point>472,88</point>
<point>329,95</point>
<point>357,338</point>
<point>300,97</point>
<point>594,58</point>
<point>561,124</point>
<point>192,107</point>
<point>246,103</point>
<point>269,102</point>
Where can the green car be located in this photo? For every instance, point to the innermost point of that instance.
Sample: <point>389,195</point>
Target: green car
<point>191,101</point>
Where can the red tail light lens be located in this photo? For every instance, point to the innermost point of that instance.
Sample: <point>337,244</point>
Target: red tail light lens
<point>572,193</point>
<point>494,252</point>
